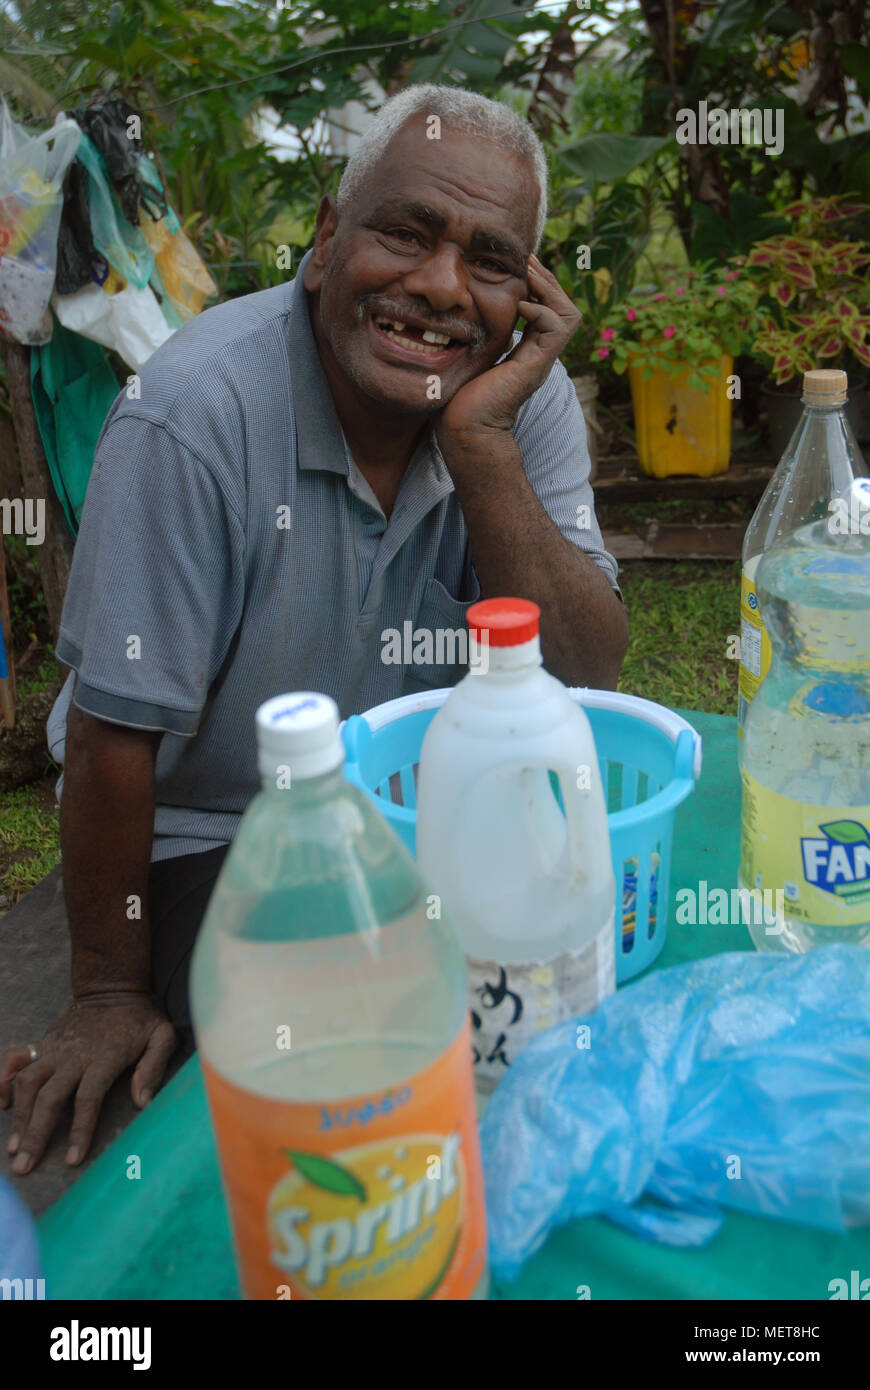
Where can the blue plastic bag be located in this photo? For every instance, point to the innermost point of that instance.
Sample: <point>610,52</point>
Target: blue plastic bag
<point>739,1080</point>
<point>20,1267</point>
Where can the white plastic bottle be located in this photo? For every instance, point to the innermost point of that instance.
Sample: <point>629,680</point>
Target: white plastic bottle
<point>330,1015</point>
<point>530,891</point>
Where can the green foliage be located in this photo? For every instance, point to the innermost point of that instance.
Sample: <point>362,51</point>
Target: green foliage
<point>203,76</point>
<point>611,228</point>
<point>716,237</point>
<point>814,288</point>
<point>29,840</point>
<point>690,320</point>
<point>26,603</point>
<point>749,54</point>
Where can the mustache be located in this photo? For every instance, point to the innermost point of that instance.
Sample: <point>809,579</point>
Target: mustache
<point>468,333</point>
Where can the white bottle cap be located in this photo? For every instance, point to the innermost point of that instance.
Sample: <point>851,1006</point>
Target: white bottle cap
<point>298,734</point>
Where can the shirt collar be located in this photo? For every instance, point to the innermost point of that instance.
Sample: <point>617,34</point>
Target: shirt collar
<point>320,442</point>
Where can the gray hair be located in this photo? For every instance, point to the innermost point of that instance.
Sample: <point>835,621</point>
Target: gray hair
<point>459,110</point>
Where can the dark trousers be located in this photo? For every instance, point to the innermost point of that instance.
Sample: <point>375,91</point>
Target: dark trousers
<point>178,891</point>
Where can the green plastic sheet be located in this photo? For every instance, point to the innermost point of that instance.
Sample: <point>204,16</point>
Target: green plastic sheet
<point>73,387</point>
<point>165,1234</point>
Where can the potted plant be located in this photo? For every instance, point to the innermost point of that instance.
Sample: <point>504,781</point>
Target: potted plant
<point>595,260</point>
<point>678,341</point>
<point>814,293</point>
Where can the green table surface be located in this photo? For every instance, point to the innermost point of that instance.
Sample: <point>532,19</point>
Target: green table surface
<point>165,1234</point>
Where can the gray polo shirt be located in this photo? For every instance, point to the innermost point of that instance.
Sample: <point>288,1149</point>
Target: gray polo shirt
<point>230,550</point>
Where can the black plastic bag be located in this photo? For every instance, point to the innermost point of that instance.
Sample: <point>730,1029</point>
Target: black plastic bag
<point>107,126</point>
<point>77,257</point>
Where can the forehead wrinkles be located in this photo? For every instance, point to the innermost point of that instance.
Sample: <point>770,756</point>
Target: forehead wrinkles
<point>479,204</point>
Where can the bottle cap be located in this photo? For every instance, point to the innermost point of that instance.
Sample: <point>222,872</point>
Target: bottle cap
<point>298,734</point>
<point>507,621</point>
<point>825,387</point>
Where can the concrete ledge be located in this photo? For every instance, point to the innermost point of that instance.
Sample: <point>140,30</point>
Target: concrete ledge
<point>34,991</point>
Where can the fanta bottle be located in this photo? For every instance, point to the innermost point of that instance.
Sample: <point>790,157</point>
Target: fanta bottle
<point>806,770</point>
<point>809,484</point>
<point>328,996</point>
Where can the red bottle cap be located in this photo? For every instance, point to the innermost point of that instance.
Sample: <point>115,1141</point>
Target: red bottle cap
<point>509,621</point>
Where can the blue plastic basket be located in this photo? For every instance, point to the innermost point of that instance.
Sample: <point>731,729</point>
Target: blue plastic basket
<point>649,758</point>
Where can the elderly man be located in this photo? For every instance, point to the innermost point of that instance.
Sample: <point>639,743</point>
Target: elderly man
<point>304,469</point>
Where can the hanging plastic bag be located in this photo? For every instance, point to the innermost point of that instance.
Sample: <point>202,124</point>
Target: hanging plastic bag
<point>32,171</point>
<point>636,1112</point>
<point>184,273</point>
<point>78,260</point>
<point>152,195</point>
<point>130,321</point>
<point>167,307</point>
<point>111,127</point>
<point>123,246</point>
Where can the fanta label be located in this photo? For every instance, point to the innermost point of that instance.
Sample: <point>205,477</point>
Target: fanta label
<point>374,1197</point>
<point>818,855</point>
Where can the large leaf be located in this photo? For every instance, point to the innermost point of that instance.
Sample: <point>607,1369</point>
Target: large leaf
<point>472,47</point>
<point>856,63</point>
<point>605,158</point>
<point>718,238</point>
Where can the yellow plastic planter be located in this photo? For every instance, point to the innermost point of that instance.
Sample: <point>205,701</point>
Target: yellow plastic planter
<point>679,429</point>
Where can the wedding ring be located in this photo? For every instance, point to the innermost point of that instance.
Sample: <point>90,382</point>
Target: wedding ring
<point>32,1052</point>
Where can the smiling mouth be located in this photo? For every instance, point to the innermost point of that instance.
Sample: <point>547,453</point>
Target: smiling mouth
<point>425,342</point>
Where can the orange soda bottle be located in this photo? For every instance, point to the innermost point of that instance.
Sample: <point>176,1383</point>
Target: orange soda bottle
<point>328,995</point>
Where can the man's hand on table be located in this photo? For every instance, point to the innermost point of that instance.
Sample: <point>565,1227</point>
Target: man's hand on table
<point>82,1054</point>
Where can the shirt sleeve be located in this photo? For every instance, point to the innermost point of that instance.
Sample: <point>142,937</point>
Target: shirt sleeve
<point>551,433</point>
<point>156,588</point>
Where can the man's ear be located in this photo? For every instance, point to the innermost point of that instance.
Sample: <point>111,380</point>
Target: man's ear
<point>327,225</point>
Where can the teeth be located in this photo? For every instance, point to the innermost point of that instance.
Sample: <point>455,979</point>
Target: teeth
<point>395,328</point>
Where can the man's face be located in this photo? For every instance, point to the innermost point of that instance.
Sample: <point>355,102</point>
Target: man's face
<point>436,241</point>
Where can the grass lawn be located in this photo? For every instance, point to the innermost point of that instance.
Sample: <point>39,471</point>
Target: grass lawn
<point>681,615</point>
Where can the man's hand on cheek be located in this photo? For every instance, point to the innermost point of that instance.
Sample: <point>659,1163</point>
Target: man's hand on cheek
<point>490,402</point>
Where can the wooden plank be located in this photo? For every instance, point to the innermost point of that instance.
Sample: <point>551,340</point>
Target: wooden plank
<point>54,556</point>
<point>620,480</point>
<point>676,541</point>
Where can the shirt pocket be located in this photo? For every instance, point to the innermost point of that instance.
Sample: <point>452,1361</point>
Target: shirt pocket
<point>439,647</point>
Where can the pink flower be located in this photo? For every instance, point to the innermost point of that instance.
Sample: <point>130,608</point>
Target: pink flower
<point>732,275</point>
<point>603,352</point>
<point>669,331</point>
<point>631,315</point>
<point>680,291</point>
<point>607,334</point>
<point>721,290</point>
<point>658,296</point>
